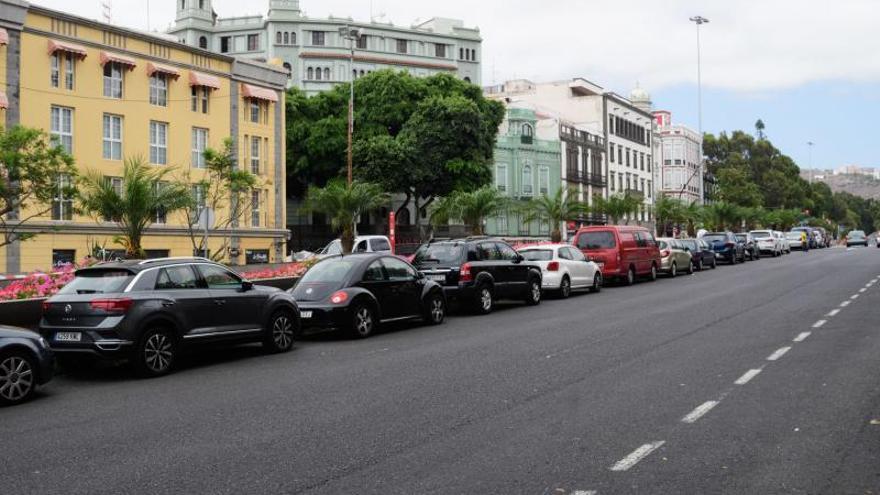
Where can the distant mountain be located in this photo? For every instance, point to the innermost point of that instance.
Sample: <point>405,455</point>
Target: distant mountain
<point>859,185</point>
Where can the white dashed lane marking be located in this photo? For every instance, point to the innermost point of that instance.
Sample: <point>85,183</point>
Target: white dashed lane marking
<point>802,337</point>
<point>819,323</point>
<point>862,290</point>
<point>844,304</point>
<point>637,455</point>
<point>584,492</point>
<point>699,412</point>
<point>778,354</point>
<point>833,312</point>
<point>747,377</point>
<point>854,297</point>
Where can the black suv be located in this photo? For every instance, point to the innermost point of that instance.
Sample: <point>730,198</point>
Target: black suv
<point>147,311</point>
<point>476,271</point>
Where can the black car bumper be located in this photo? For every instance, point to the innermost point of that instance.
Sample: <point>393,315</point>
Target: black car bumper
<point>90,343</point>
<point>462,294</point>
<point>323,316</point>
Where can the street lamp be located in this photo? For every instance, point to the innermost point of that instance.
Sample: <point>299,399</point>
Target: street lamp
<point>810,159</point>
<point>352,35</point>
<point>699,21</point>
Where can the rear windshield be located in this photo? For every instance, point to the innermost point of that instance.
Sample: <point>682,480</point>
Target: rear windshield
<point>688,244</point>
<point>857,233</point>
<point>761,234</point>
<point>715,237</point>
<point>537,254</point>
<point>741,237</point>
<point>332,270</point>
<point>440,253</point>
<point>596,240</point>
<point>793,235</point>
<point>663,244</point>
<point>98,282</point>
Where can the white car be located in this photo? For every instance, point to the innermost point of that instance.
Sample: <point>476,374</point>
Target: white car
<point>362,244</point>
<point>795,240</point>
<point>564,268</point>
<point>767,242</point>
<point>784,245</point>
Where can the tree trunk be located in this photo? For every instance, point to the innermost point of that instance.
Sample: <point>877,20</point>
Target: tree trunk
<point>556,235</point>
<point>347,239</point>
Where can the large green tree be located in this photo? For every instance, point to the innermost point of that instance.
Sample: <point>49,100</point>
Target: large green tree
<point>556,209</point>
<point>471,208</point>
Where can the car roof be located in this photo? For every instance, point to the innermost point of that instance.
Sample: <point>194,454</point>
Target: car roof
<point>136,266</point>
<point>545,245</point>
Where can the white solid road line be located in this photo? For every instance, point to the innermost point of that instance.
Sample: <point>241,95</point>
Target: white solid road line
<point>699,412</point>
<point>833,312</point>
<point>778,354</point>
<point>802,337</point>
<point>819,323</point>
<point>747,377</point>
<point>636,456</point>
<point>844,304</point>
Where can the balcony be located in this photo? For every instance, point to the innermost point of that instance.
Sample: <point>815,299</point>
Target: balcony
<point>525,139</point>
<point>597,180</point>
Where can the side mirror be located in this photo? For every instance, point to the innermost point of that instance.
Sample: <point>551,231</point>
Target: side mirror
<point>420,275</point>
<point>519,259</point>
<point>246,286</point>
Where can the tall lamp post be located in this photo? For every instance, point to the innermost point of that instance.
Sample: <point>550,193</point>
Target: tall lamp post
<point>810,159</point>
<point>699,21</point>
<point>352,35</point>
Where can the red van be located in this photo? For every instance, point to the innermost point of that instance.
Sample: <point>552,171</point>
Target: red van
<point>623,252</point>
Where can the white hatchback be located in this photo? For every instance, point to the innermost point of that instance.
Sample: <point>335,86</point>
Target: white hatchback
<point>564,268</point>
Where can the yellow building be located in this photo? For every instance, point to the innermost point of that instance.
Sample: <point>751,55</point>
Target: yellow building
<point>107,94</point>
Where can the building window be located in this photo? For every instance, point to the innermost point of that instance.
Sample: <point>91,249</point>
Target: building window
<point>611,154</point>
<point>255,208</point>
<point>203,42</point>
<point>611,182</point>
<point>158,143</point>
<point>650,188</point>
<point>112,137</point>
<point>159,89</point>
<point>319,74</point>
<point>292,37</point>
<point>440,50</point>
<point>627,157</point>
<point>61,128</point>
<point>256,109</point>
<point>402,46</point>
<point>527,184</point>
<point>461,53</point>
<point>256,144</point>
<point>501,178</point>
<point>362,42</point>
<point>199,97</point>
<point>62,203</point>
<point>310,74</point>
<point>289,69</point>
<point>544,181</point>
<point>326,73</point>
<point>278,37</point>
<point>318,38</point>
<point>253,42</point>
<point>224,44</point>
<point>62,67</point>
<point>649,163</point>
<point>113,80</point>
<point>199,145</point>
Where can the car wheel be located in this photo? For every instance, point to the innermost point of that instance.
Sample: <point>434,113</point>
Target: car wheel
<point>435,309</point>
<point>597,283</point>
<point>673,270</point>
<point>733,259</point>
<point>363,321</point>
<point>653,275</point>
<point>18,380</point>
<point>630,276</point>
<point>690,268</point>
<point>533,298</point>
<point>155,353</point>
<point>280,332</point>
<point>484,301</point>
<point>699,265</point>
<point>565,287</point>
<point>714,264</point>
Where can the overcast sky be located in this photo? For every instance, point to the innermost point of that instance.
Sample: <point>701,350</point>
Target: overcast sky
<point>780,60</point>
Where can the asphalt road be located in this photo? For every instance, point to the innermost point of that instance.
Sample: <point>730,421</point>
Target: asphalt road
<point>647,389</point>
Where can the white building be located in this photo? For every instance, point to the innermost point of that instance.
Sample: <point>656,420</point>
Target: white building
<point>318,56</point>
<point>610,124</point>
<point>681,160</point>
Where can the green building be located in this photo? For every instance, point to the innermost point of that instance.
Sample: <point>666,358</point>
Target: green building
<point>528,163</point>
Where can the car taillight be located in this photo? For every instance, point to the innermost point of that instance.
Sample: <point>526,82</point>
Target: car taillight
<point>730,244</point>
<point>664,253</point>
<point>464,273</point>
<point>553,266</point>
<point>46,306</point>
<point>339,297</point>
<point>120,305</point>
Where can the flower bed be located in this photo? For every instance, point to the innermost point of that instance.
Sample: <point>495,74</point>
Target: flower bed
<point>289,270</point>
<point>38,284</point>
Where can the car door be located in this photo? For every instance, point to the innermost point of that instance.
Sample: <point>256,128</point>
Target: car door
<point>404,287</point>
<point>490,262</point>
<point>235,310</point>
<point>185,296</point>
<point>581,269</point>
<point>375,280</point>
<point>517,271</point>
<point>360,247</point>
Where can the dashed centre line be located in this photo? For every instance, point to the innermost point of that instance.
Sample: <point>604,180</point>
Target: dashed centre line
<point>833,312</point>
<point>778,354</point>
<point>637,455</point>
<point>699,412</point>
<point>854,297</point>
<point>862,290</point>
<point>844,304</point>
<point>584,492</point>
<point>802,337</point>
<point>819,323</point>
<point>747,377</point>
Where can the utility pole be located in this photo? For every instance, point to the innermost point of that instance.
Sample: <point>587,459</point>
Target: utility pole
<point>810,159</point>
<point>352,35</point>
<point>699,21</point>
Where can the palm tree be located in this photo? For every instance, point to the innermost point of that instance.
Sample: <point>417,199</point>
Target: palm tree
<point>693,215</point>
<point>471,207</point>
<point>617,206</point>
<point>722,215</point>
<point>668,211</point>
<point>556,209</point>
<point>143,197</point>
<point>343,203</point>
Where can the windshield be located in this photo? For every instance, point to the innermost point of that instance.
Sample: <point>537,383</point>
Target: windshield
<point>715,238</point>
<point>596,240</point>
<point>761,234</point>
<point>741,237</point>
<point>794,236</point>
<point>440,253</point>
<point>98,282</point>
<point>332,249</point>
<point>537,254</point>
<point>857,233</point>
<point>329,271</point>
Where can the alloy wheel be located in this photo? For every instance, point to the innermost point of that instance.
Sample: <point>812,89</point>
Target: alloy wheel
<point>438,312</point>
<point>158,352</point>
<point>363,321</point>
<point>486,299</point>
<point>536,292</point>
<point>565,288</point>
<point>282,332</point>
<point>16,379</point>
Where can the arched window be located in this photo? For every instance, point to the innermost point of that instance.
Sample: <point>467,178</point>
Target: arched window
<point>277,37</point>
<point>311,74</point>
<point>203,42</point>
<point>354,73</point>
<point>182,4</point>
<point>326,74</point>
<point>318,74</point>
<point>527,184</point>
<point>467,79</point>
<point>527,130</point>
<point>202,4</point>
<point>289,69</point>
<point>292,38</point>
<point>286,38</point>
<point>362,73</point>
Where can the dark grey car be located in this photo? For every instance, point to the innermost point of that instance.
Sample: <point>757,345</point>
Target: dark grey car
<point>147,311</point>
<point>25,363</point>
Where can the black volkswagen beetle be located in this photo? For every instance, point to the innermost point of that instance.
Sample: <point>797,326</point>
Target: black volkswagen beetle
<point>358,292</point>
<point>25,363</point>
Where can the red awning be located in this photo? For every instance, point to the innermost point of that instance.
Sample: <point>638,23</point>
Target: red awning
<point>4,101</point>
<point>60,46</point>
<point>199,79</point>
<point>4,37</point>
<point>107,57</point>
<point>249,91</point>
<point>163,69</point>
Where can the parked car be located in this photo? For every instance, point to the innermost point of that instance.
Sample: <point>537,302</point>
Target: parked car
<point>767,242</point>
<point>701,254</point>
<point>623,252</point>
<point>478,271</point>
<point>147,312</point>
<point>750,245</point>
<point>726,247</point>
<point>362,244</point>
<point>811,236</point>
<point>856,238</point>
<point>795,240</point>
<point>564,268</point>
<point>784,246</point>
<point>359,292</point>
<point>674,258</point>
<point>26,363</point>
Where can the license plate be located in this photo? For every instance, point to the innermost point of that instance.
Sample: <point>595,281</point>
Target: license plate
<point>68,337</point>
<point>437,278</point>
<point>305,314</point>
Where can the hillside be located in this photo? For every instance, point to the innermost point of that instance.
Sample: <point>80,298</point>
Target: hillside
<point>858,185</point>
